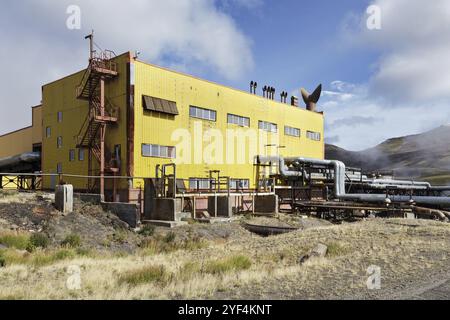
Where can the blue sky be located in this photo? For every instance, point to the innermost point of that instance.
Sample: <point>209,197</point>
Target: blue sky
<point>377,83</point>
<point>294,42</point>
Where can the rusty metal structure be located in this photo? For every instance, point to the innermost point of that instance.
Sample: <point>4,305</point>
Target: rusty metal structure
<point>101,113</point>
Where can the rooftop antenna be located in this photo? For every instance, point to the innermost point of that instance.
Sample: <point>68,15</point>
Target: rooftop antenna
<point>136,54</point>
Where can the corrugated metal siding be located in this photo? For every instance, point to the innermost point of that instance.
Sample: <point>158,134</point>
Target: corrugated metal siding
<point>60,96</point>
<point>186,91</point>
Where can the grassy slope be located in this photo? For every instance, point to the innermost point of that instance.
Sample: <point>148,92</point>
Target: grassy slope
<point>251,267</point>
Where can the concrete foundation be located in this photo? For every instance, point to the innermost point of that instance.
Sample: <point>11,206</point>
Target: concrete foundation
<point>89,197</point>
<point>127,212</point>
<point>64,198</point>
<point>266,204</point>
<point>165,224</point>
<point>166,210</point>
<point>223,206</point>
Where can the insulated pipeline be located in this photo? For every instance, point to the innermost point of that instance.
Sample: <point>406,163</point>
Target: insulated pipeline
<point>338,168</point>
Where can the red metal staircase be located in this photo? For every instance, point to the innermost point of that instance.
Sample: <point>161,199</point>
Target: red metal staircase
<point>102,112</point>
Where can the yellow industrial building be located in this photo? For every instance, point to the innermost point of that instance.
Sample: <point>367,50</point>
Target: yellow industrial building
<point>24,140</point>
<point>151,115</point>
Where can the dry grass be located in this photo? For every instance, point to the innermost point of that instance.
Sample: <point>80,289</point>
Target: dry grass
<point>242,268</point>
<point>336,249</point>
<point>13,196</point>
<point>15,240</point>
<point>35,259</point>
<point>156,274</point>
<point>234,263</point>
<point>165,244</point>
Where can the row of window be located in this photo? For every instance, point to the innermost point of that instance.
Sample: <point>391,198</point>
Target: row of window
<point>169,152</point>
<point>154,150</point>
<point>72,155</point>
<point>211,115</point>
<point>205,183</point>
<point>268,126</point>
<point>313,135</point>
<point>238,120</point>
<point>201,113</point>
<point>48,130</point>
<point>71,159</point>
<point>289,131</point>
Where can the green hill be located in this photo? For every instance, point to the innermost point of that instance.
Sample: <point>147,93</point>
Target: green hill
<point>424,156</point>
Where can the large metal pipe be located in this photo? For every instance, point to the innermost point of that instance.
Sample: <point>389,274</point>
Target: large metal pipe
<point>339,183</point>
<point>400,187</point>
<point>29,157</point>
<point>398,182</point>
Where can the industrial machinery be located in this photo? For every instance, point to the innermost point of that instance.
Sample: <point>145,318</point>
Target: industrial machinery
<point>329,188</point>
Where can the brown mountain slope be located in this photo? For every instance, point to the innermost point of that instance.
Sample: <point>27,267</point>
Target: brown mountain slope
<point>425,156</point>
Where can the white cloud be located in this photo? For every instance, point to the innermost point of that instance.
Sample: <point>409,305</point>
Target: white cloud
<point>361,122</point>
<point>413,46</point>
<point>38,48</point>
<point>408,89</point>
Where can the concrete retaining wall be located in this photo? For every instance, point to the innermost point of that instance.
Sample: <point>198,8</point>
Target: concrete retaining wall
<point>89,197</point>
<point>127,212</point>
<point>266,204</point>
<point>225,206</point>
<point>165,210</point>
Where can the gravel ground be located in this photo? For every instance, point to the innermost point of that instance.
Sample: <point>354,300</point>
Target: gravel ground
<point>413,256</point>
<point>285,220</point>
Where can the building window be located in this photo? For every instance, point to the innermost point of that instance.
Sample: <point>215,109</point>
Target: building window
<point>59,168</point>
<point>199,184</point>
<point>60,116</point>
<point>153,150</point>
<point>313,135</point>
<point>71,155</point>
<point>238,120</point>
<point>59,142</point>
<point>239,184</point>
<point>80,154</point>
<point>48,132</point>
<point>200,113</point>
<point>290,131</point>
<point>267,126</point>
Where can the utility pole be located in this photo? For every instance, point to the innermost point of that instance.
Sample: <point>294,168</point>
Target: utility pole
<point>91,45</point>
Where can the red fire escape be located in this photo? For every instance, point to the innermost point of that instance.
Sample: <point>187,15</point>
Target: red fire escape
<point>101,113</point>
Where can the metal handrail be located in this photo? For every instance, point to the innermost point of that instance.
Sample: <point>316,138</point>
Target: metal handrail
<point>84,79</point>
<point>101,61</point>
<point>83,129</point>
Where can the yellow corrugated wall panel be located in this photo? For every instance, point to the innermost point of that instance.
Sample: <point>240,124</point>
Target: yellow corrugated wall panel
<point>152,128</point>
<point>16,142</point>
<point>61,96</point>
<point>37,124</point>
<point>21,141</point>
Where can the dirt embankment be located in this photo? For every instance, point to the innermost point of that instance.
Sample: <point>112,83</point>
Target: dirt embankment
<point>35,213</point>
